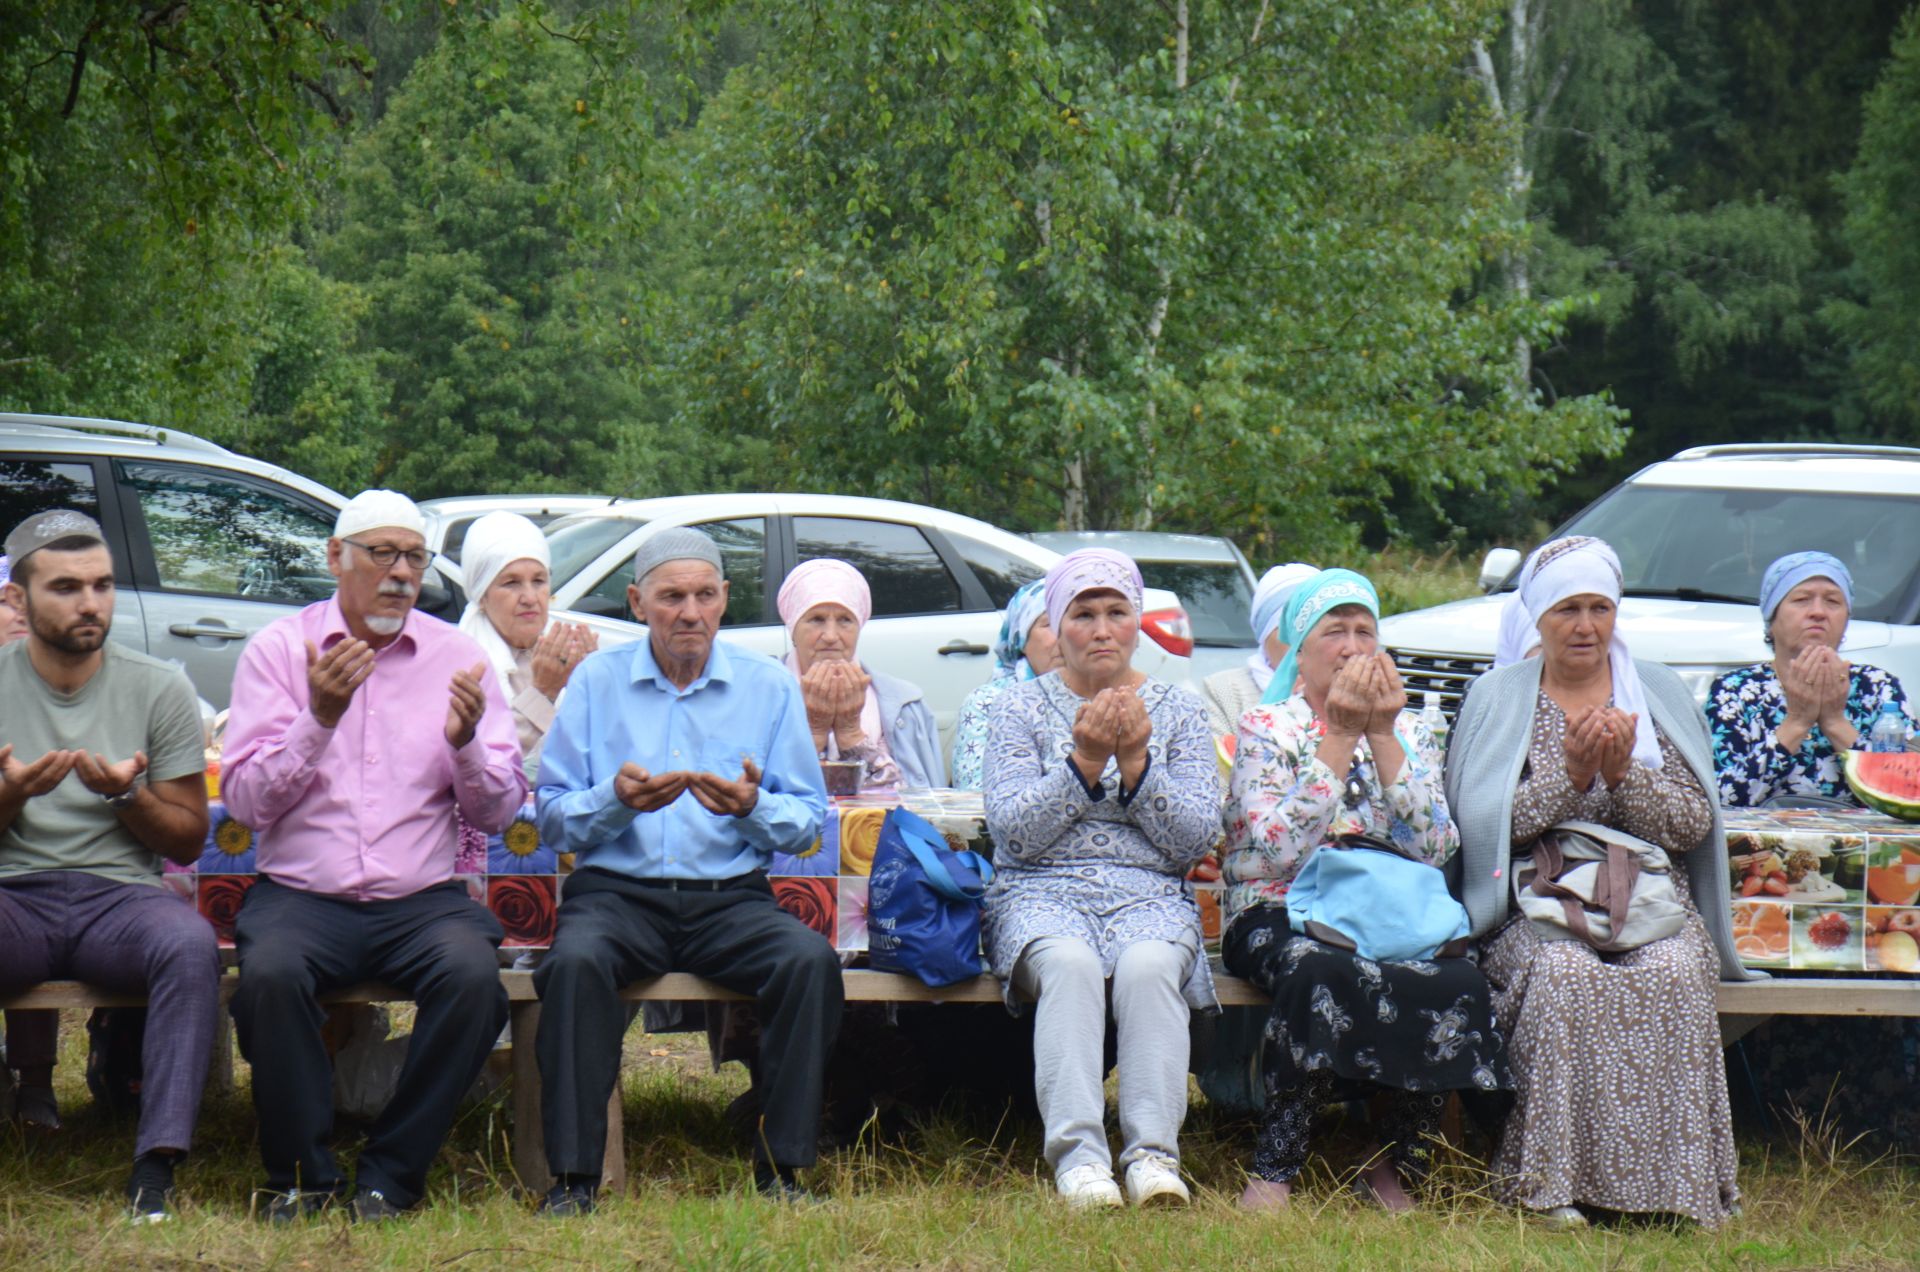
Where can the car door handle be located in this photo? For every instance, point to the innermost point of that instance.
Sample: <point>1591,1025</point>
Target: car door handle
<point>957,646</point>
<point>207,629</point>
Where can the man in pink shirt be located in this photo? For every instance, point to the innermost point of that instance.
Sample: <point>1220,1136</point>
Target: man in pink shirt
<point>358,727</point>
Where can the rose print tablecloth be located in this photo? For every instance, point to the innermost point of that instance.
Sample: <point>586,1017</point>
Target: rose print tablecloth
<point>522,880</point>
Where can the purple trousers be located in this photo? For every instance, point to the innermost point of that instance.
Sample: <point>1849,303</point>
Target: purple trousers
<point>68,925</point>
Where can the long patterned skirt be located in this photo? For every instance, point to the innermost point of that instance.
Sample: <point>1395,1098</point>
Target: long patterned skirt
<point>1622,1095</point>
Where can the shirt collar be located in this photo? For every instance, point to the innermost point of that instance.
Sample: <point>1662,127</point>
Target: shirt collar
<point>719,668</point>
<point>333,629</point>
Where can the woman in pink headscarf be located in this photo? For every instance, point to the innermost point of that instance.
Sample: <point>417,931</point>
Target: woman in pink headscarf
<point>855,713</point>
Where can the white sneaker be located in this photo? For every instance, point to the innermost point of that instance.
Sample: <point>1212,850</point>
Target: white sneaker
<point>1089,1187</point>
<point>1155,1181</point>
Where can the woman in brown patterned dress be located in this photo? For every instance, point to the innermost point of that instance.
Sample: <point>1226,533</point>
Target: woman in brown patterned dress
<point>1622,1098</point>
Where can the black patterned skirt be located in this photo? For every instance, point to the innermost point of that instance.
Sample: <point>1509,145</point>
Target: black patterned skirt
<point>1412,1026</point>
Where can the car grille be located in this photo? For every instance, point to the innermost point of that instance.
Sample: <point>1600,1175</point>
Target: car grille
<point>1449,675</point>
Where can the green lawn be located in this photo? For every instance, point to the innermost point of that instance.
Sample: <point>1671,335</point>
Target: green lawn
<point>948,1195</point>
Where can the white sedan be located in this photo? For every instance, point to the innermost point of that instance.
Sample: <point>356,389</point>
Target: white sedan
<point>940,581</point>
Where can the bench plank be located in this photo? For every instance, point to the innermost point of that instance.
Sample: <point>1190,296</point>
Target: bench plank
<point>1781,996</point>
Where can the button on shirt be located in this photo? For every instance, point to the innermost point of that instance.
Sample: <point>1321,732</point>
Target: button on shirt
<point>365,810</point>
<point>620,707</point>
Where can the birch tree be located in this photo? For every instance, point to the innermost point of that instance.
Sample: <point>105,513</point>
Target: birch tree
<point>1180,264</point>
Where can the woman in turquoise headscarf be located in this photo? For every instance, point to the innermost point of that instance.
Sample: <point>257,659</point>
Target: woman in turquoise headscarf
<point>1024,650</point>
<point>1332,751</point>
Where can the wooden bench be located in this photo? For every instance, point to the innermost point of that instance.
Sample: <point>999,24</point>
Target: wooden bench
<point>1741,1007</point>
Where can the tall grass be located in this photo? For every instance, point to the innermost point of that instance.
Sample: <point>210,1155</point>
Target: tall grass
<point>951,1193</point>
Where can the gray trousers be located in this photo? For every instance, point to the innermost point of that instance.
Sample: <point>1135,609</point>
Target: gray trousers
<point>65,924</point>
<point>1069,989</point>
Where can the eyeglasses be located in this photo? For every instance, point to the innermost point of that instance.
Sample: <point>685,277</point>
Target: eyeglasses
<point>384,555</point>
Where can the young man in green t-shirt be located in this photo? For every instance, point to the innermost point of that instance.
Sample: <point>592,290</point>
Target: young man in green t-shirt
<point>102,775</point>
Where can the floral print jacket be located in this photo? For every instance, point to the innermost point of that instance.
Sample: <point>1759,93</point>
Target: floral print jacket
<point>1745,706</point>
<point>1285,802</point>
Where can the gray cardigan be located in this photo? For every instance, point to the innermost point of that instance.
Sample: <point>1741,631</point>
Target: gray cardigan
<point>913,737</point>
<point>1484,759</point>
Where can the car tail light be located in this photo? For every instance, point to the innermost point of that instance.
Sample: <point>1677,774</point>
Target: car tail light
<point>1170,630</point>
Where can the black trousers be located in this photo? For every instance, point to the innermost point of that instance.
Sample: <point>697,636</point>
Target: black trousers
<point>614,930</point>
<point>440,947</point>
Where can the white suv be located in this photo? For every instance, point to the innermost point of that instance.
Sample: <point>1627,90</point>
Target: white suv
<point>1695,533</point>
<point>940,580</point>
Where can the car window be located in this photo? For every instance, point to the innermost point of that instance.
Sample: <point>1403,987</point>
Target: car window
<point>574,543</point>
<point>1215,594</point>
<point>902,569</point>
<point>28,486</point>
<point>222,534</point>
<point>1672,539</point>
<point>743,558</point>
<point>1000,572</point>
<point>455,535</point>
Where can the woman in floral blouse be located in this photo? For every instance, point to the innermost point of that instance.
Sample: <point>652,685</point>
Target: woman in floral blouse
<point>1342,756</point>
<point>1779,728</point>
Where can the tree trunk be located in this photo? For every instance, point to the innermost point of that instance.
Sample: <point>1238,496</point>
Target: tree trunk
<point>1514,104</point>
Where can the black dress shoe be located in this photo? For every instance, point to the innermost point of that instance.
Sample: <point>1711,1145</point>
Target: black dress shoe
<point>296,1204</point>
<point>568,1200</point>
<point>370,1205</point>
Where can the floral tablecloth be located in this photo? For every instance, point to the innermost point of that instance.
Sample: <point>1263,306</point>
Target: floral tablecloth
<point>522,880</point>
<point>1827,890</point>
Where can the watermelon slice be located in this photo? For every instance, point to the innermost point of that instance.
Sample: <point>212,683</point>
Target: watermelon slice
<point>1886,780</point>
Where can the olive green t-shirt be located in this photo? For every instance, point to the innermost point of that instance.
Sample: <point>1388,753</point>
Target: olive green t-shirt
<point>133,703</point>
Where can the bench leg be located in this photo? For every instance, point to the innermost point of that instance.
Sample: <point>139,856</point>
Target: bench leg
<point>220,1075</point>
<point>529,1146</point>
<point>613,1168</point>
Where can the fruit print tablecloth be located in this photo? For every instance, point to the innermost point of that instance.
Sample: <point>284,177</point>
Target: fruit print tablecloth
<point>1827,890</point>
<point>522,880</point>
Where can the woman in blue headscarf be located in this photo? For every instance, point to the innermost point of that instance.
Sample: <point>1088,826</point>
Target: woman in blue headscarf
<point>1780,727</point>
<point>1023,650</point>
<point>1332,751</point>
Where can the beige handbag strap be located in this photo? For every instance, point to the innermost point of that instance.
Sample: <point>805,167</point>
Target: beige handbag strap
<point>1613,890</point>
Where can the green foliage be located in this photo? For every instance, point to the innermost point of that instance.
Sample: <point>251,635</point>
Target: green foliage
<point>148,154</point>
<point>1883,230</point>
<point>1018,259</point>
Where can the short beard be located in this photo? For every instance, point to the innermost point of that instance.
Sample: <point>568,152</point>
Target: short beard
<point>63,640</point>
<point>384,625</point>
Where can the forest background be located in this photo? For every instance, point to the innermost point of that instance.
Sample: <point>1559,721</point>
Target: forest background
<point>1322,275</point>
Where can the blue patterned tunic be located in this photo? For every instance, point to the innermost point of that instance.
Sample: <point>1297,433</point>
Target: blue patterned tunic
<point>1744,707</point>
<point>1095,869</point>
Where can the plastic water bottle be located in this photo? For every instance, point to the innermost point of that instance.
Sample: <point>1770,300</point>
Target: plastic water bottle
<point>1889,731</point>
<point>1434,718</point>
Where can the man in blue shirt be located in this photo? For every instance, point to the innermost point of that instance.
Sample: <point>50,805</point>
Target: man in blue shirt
<point>671,864</point>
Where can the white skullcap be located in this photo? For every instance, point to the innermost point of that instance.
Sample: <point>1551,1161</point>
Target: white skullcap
<point>378,509</point>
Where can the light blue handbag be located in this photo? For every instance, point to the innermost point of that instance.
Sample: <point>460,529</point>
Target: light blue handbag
<point>1359,893</point>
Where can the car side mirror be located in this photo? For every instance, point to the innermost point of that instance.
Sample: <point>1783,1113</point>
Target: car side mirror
<point>1496,566</point>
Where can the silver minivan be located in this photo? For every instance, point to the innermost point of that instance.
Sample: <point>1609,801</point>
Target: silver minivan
<point>208,546</point>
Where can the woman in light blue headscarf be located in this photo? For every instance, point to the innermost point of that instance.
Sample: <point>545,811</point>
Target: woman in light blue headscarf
<point>1780,727</point>
<point>1023,650</point>
<point>1333,752</point>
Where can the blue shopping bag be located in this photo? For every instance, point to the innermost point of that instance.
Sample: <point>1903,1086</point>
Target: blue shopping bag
<point>923,903</point>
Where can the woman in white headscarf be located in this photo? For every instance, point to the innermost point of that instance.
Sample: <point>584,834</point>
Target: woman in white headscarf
<point>1622,1097</point>
<point>509,591</point>
<point>1229,694</point>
